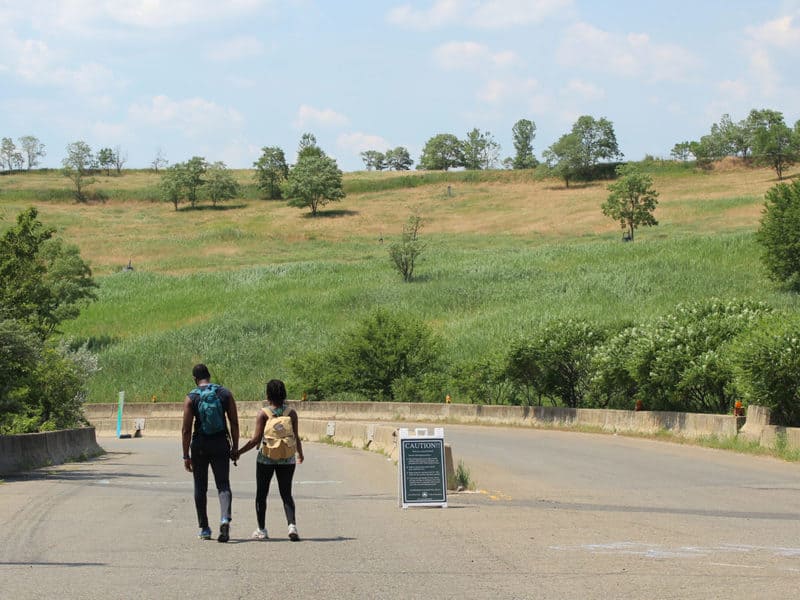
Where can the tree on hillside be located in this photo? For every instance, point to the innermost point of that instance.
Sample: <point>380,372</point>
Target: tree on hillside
<point>774,143</point>
<point>523,133</point>
<point>575,155</point>
<point>77,166</point>
<point>313,182</point>
<point>220,183</point>
<point>271,171</point>
<point>442,152</point>
<point>193,171</point>
<point>632,199</point>
<point>171,184</point>
<point>398,159</point>
<point>779,234</point>
<point>160,160</point>
<point>32,149</point>
<point>105,159</point>
<point>120,158</point>
<point>404,254</point>
<point>10,158</point>
<point>479,150</point>
<point>681,151</point>
<point>308,146</point>
<point>374,160</point>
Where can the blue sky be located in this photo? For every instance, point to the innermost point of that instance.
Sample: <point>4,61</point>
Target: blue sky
<point>221,79</point>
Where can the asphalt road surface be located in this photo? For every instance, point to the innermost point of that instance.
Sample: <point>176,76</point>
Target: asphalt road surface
<point>557,515</point>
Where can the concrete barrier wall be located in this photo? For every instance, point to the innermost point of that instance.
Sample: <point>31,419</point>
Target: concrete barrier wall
<point>166,417</point>
<point>32,450</point>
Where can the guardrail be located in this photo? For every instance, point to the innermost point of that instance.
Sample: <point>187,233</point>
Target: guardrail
<point>166,417</point>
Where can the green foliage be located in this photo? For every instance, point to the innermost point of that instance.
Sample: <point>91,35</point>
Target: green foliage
<point>442,152</point>
<point>576,154</point>
<point>220,184</point>
<point>313,182</point>
<point>404,254</point>
<point>398,159</point>
<point>369,359</point>
<point>463,477</point>
<point>632,200</point>
<point>523,133</point>
<point>43,281</point>
<point>77,167</point>
<point>555,360</point>
<point>681,363</point>
<point>768,368</point>
<point>479,150</point>
<point>485,380</point>
<point>779,234</point>
<point>374,160</point>
<point>271,172</point>
<point>774,143</point>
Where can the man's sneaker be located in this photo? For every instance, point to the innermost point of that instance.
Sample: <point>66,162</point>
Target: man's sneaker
<point>260,534</point>
<point>293,533</point>
<point>224,532</point>
<point>205,533</point>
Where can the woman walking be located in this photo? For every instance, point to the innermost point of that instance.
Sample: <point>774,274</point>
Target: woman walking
<point>281,450</point>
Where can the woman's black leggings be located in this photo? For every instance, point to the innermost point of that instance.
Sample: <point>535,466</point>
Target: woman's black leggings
<point>284,474</point>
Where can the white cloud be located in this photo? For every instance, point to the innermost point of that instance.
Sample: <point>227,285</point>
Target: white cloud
<point>357,142</point>
<point>471,55</point>
<point>780,33</point>
<point>35,63</point>
<point>308,116</point>
<point>194,116</point>
<point>632,55</point>
<point>442,12</point>
<point>236,49</point>
<point>583,90</point>
<point>498,90</point>
<point>495,14</point>
<point>86,15</point>
<point>480,14</point>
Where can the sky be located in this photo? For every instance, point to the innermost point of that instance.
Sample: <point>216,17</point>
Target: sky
<point>222,79</point>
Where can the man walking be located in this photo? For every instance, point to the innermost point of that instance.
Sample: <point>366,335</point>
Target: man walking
<point>212,443</point>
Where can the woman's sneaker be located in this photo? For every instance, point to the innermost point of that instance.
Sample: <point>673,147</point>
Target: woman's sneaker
<point>205,533</point>
<point>293,533</point>
<point>260,534</point>
<point>224,532</point>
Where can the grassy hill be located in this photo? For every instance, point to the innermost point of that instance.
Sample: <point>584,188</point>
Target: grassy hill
<point>249,285</point>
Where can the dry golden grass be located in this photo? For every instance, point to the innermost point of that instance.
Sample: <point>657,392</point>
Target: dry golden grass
<point>159,238</point>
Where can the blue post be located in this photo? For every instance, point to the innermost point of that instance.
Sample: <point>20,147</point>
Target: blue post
<point>119,413</point>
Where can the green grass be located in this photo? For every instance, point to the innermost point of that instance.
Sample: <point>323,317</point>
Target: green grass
<point>479,294</point>
<point>250,286</point>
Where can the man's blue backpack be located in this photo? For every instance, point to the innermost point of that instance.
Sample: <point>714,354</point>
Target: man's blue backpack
<point>209,409</point>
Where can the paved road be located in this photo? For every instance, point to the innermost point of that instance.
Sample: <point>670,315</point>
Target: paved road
<point>561,515</point>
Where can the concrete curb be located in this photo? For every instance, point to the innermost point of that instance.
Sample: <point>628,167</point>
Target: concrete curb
<point>32,450</point>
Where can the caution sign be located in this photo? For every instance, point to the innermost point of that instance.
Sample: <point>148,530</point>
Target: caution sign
<point>422,477</point>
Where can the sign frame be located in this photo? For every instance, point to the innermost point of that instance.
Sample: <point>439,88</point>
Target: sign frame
<point>430,461</point>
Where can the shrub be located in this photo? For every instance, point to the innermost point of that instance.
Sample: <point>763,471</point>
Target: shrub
<point>679,363</point>
<point>382,350</point>
<point>555,360</point>
<point>768,368</point>
<point>485,381</point>
<point>779,234</point>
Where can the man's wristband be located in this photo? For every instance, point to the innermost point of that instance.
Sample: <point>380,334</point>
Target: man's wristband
<point>187,457</point>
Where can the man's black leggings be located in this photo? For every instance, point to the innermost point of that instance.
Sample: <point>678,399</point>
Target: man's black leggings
<point>215,454</point>
<point>284,474</point>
